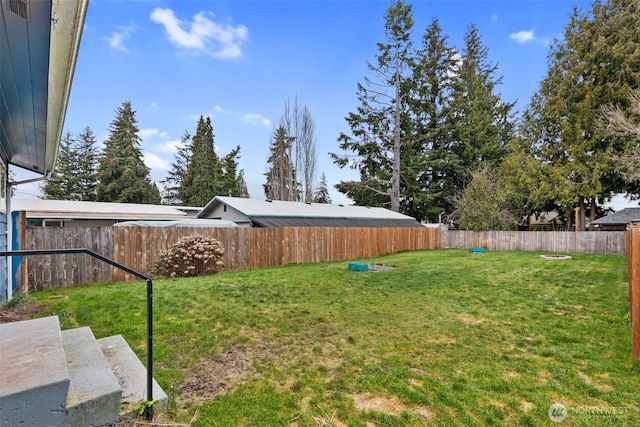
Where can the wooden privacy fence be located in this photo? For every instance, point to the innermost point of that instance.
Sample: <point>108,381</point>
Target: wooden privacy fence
<point>61,271</point>
<point>602,242</point>
<point>246,248</point>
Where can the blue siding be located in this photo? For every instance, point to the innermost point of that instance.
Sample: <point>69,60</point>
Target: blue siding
<point>3,260</point>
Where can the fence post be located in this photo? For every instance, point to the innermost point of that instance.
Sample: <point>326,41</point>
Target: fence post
<point>634,290</point>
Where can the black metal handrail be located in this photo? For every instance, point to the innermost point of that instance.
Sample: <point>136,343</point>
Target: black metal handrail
<point>148,405</point>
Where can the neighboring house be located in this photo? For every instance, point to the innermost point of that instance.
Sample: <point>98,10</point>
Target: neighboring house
<point>70,213</point>
<point>277,213</point>
<point>544,221</point>
<point>618,221</point>
<point>39,42</point>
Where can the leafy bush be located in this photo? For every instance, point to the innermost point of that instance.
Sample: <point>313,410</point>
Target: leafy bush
<point>191,256</point>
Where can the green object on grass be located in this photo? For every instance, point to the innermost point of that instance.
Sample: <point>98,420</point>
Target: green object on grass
<point>147,404</point>
<point>358,267</point>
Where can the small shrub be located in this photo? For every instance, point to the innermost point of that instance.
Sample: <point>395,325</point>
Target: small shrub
<point>191,256</point>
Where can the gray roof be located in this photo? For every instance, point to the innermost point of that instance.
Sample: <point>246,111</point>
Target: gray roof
<point>278,213</point>
<point>624,216</point>
<point>62,209</point>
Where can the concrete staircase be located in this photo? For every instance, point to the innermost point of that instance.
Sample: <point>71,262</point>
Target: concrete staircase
<point>50,377</point>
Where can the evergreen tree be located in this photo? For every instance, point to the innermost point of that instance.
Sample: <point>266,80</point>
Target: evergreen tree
<point>231,185</point>
<point>281,181</point>
<point>242,185</point>
<point>75,175</point>
<point>322,191</point>
<point>203,176</point>
<point>197,173</point>
<point>175,176</point>
<point>86,164</point>
<point>479,119</point>
<point>63,185</point>
<point>595,64</point>
<point>428,170</point>
<point>376,127</point>
<point>123,176</point>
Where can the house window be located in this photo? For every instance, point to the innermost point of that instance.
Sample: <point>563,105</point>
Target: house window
<point>225,208</point>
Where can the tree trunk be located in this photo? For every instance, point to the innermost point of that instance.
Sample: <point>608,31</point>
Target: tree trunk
<point>592,213</point>
<point>395,172</point>
<point>581,213</point>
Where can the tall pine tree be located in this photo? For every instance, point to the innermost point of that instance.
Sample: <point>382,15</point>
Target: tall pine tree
<point>124,178</point>
<point>242,185</point>
<point>175,176</point>
<point>203,176</point>
<point>63,185</point>
<point>428,174</point>
<point>281,183</point>
<point>376,128</point>
<point>87,164</point>
<point>75,176</point>
<point>322,191</point>
<point>480,121</point>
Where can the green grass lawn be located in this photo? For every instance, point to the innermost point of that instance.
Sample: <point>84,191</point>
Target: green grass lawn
<point>446,338</point>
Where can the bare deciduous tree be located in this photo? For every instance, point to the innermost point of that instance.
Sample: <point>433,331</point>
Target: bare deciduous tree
<point>299,125</point>
<point>625,123</point>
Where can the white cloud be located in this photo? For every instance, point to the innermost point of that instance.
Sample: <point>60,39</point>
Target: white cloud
<point>494,18</point>
<point>204,35</point>
<point>522,36</point>
<point>153,105</point>
<point>153,161</point>
<point>170,146</point>
<point>147,133</point>
<point>256,119</point>
<point>117,38</point>
<point>250,118</point>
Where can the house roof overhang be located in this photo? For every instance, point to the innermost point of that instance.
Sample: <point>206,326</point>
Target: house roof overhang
<point>39,42</point>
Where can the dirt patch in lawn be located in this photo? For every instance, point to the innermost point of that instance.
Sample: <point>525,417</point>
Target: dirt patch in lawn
<point>213,377</point>
<point>468,319</point>
<point>390,405</point>
<point>21,311</point>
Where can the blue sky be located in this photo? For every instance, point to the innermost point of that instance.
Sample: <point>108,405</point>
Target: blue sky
<point>239,61</point>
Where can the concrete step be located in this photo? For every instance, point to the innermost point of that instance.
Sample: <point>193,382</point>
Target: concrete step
<point>34,381</point>
<point>94,392</point>
<point>131,374</point>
